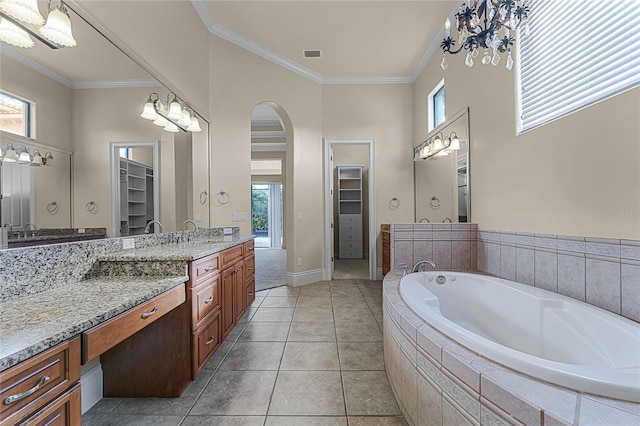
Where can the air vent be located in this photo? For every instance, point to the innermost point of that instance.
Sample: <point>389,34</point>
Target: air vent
<point>312,53</point>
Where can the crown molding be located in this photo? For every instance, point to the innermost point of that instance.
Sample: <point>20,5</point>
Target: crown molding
<point>367,80</point>
<point>14,54</point>
<point>110,84</point>
<point>101,84</point>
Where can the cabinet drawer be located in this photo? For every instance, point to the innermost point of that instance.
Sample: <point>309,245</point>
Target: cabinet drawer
<point>64,411</point>
<point>350,218</point>
<point>231,256</point>
<point>350,254</point>
<point>250,265</point>
<point>350,245</point>
<point>247,248</point>
<point>35,382</point>
<point>205,342</point>
<point>250,292</point>
<point>103,337</point>
<point>350,232</point>
<point>202,269</point>
<point>205,299</point>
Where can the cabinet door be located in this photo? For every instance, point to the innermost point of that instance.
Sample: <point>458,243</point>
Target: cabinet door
<point>250,292</point>
<point>227,280</point>
<point>238,290</point>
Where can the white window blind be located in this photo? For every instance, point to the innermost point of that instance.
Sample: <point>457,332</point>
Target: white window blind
<point>577,52</point>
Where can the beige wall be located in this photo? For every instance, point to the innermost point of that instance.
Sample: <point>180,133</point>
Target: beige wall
<point>565,177</point>
<point>382,112</point>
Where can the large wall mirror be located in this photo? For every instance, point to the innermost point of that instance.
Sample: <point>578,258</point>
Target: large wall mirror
<point>442,174</point>
<point>78,102</point>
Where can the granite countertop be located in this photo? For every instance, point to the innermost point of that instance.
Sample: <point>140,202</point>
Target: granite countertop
<point>187,252</point>
<point>31,324</point>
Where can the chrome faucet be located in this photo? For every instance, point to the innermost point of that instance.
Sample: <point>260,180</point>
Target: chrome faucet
<point>148,227</point>
<point>416,267</point>
<point>184,227</point>
<point>26,228</point>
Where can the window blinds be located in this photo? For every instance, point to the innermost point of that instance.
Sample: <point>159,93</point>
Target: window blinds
<point>577,52</point>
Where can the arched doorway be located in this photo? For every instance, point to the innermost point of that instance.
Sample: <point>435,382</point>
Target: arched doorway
<point>271,203</point>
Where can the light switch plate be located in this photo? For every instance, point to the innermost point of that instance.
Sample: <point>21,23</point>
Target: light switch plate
<point>226,238</point>
<point>239,216</point>
<point>128,243</point>
<point>81,230</point>
<point>197,217</point>
<point>227,231</point>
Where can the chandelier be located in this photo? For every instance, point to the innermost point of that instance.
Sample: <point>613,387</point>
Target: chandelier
<point>21,19</point>
<point>437,147</point>
<point>485,24</point>
<point>172,115</point>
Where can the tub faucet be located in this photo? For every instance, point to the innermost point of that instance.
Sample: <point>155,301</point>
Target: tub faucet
<point>184,227</point>
<point>422,262</point>
<point>148,227</point>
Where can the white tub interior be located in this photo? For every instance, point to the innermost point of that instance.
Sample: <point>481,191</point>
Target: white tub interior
<point>540,333</point>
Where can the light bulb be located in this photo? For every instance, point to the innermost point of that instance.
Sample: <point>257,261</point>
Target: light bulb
<point>447,27</point>
<point>195,125</point>
<point>23,10</point>
<point>58,28</point>
<point>175,110</point>
<point>185,121</point>
<point>149,112</point>
<point>10,155</point>
<point>24,157</point>
<point>161,121</point>
<point>11,34</point>
<point>172,128</point>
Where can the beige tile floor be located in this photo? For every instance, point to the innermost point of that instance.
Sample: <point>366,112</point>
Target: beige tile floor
<point>301,356</point>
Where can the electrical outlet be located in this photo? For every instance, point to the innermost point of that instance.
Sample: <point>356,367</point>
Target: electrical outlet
<point>81,230</point>
<point>227,238</point>
<point>239,217</point>
<point>197,217</point>
<point>299,261</point>
<point>227,231</point>
<point>128,243</point>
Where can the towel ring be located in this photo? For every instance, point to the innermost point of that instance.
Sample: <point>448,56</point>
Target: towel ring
<point>394,203</point>
<point>91,207</point>
<point>204,195</point>
<point>446,220</point>
<point>52,207</point>
<point>435,202</point>
<point>424,220</point>
<point>222,198</point>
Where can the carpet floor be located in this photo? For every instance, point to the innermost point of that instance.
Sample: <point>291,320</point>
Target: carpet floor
<point>271,268</point>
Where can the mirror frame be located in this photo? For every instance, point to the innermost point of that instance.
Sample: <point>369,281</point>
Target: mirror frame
<point>440,128</point>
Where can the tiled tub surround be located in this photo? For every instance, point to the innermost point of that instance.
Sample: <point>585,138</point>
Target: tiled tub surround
<point>601,272</point>
<point>438,381</point>
<point>32,270</point>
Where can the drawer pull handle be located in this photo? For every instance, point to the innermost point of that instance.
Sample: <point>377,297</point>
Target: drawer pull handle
<point>249,248</point>
<point>146,315</point>
<point>250,293</point>
<point>15,398</point>
<point>251,269</point>
<point>208,300</point>
<point>210,341</point>
<point>208,268</point>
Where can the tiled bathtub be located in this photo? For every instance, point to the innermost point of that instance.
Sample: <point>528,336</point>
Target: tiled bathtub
<point>438,381</point>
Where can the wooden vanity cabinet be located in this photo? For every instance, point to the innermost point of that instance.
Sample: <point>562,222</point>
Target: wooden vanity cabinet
<point>42,389</point>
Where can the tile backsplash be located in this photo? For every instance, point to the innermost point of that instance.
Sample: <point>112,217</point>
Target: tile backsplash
<point>601,272</point>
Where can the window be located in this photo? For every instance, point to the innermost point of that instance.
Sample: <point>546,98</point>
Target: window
<point>563,67</point>
<point>15,115</point>
<point>436,107</point>
<point>124,153</point>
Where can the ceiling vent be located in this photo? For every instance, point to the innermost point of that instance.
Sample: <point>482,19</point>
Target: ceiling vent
<point>312,53</point>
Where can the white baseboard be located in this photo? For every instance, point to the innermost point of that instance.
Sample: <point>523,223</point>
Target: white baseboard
<point>90,384</point>
<point>305,277</point>
<point>379,274</point>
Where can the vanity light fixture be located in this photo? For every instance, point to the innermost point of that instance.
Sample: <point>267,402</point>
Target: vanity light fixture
<point>177,116</point>
<point>21,19</point>
<point>10,155</point>
<point>479,24</point>
<point>436,146</point>
<point>25,158</point>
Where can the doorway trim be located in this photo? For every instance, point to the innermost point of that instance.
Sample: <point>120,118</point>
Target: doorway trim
<point>328,203</point>
<point>114,158</point>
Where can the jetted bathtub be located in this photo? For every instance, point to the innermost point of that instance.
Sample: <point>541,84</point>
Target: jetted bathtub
<point>534,331</point>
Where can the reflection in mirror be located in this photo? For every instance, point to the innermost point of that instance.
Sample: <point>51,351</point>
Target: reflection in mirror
<point>441,177</point>
<point>83,98</point>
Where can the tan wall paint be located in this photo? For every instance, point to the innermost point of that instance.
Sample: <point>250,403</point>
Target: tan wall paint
<point>239,81</point>
<point>382,112</point>
<point>561,178</point>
